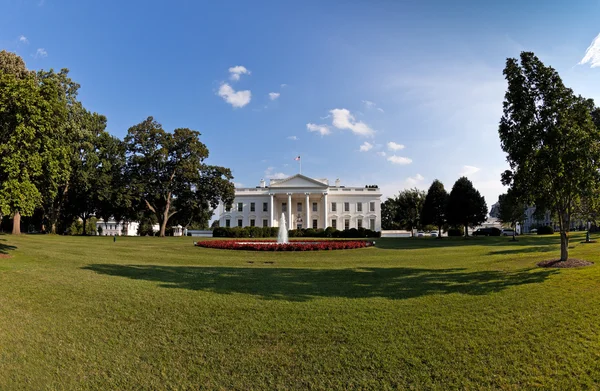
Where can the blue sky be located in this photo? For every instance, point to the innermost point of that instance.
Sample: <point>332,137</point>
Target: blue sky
<point>417,85</point>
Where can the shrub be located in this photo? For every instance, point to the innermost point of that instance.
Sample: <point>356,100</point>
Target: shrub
<point>545,230</point>
<point>272,232</point>
<point>455,232</point>
<point>269,245</point>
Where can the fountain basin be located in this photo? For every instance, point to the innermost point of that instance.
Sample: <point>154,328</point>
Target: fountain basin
<point>271,245</point>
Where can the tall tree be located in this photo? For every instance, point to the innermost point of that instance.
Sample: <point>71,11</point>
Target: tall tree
<point>408,206</point>
<point>434,206</point>
<point>466,207</point>
<point>32,114</point>
<point>550,139</point>
<point>511,210</point>
<point>388,214</point>
<point>165,166</point>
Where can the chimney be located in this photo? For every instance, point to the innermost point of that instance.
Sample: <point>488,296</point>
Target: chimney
<point>263,183</point>
<point>337,182</point>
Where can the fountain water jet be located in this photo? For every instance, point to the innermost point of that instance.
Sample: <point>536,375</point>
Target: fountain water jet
<point>282,236</point>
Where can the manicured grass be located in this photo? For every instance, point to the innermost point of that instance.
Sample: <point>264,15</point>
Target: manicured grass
<point>147,313</point>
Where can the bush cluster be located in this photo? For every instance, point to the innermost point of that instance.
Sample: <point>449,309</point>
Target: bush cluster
<point>455,232</point>
<point>545,230</point>
<point>271,232</point>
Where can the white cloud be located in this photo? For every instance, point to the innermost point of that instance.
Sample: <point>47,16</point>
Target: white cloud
<point>23,39</point>
<point>237,71</point>
<point>412,181</point>
<point>369,104</point>
<point>592,54</point>
<point>399,160</point>
<point>41,53</point>
<point>343,119</point>
<point>380,110</point>
<point>269,174</point>
<point>294,138</point>
<point>381,153</point>
<point>238,184</point>
<point>322,129</point>
<point>283,85</point>
<point>366,146</point>
<point>392,146</point>
<point>469,170</point>
<point>274,95</point>
<point>234,98</point>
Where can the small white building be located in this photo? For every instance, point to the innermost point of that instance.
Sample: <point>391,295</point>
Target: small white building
<point>112,228</point>
<point>306,203</point>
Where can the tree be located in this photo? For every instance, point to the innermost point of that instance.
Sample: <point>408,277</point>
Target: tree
<point>388,214</point>
<point>434,206</point>
<point>408,205</point>
<point>32,114</point>
<point>550,139</point>
<point>163,167</point>
<point>511,210</point>
<point>466,207</point>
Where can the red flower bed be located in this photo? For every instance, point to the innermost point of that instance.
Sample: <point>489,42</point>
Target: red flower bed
<point>271,245</point>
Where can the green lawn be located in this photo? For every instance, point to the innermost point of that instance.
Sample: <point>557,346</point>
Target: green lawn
<point>148,313</point>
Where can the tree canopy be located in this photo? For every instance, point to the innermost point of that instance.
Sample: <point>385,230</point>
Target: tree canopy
<point>435,205</point>
<point>551,140</point>
<point>466,207</point>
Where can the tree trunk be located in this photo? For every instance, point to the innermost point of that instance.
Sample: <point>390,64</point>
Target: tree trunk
<point>53,229</point>
<point>17,223</point>
<point>439,231</point>
<point>84,226</point>
<point>564,245</point>
<point>466,230</point>
<point>163,223</point>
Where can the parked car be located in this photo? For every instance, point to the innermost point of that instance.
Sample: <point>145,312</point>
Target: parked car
<point>433,234</point>
<point>509,232</point>
<point>487,232</point>
<point>420,234</point>
<point>533,231</point>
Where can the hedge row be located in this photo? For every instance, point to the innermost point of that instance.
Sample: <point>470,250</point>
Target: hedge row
<point>545,230</point>
<point>269,245</point>
<point>271,232</point>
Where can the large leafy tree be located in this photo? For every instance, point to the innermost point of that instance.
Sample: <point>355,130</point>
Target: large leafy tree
<point>33,110</point>
<point>164,167</point>
<point>550,139</point>
<point>434,206</point>
<point>388,214</point>
<point>466,207</point>
<point>407,208</point>
<point>511,210</point>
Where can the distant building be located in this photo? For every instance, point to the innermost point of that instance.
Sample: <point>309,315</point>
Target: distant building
<point>112,228</point>
<point>306,203</point>
<point>532,222</point>
<point>495,211</point>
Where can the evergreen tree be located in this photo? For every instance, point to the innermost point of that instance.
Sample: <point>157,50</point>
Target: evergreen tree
<point>466,207</point>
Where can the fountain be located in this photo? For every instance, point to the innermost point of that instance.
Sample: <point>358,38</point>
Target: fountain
<point>282,236</point>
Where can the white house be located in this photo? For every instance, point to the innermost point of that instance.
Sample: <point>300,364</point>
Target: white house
<point>306,203</point>
<point>112,228</point>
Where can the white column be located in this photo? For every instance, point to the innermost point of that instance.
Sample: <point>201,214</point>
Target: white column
<point>306,219</point>
<point>325,210</point>
<point>271,205</point>
<point>289,210</point>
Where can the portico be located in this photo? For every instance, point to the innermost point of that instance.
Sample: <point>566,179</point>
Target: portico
<point>306,203</point>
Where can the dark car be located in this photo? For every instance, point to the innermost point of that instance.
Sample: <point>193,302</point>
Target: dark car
<point>487,232</point>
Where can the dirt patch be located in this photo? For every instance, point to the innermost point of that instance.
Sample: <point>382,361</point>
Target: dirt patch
<point>4,256</point>
<point>571,262</point>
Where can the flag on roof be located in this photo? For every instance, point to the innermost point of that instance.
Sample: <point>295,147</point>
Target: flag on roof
<point>297,158</point>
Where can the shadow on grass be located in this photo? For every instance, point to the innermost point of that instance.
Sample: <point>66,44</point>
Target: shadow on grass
<point>420,243</point>
<point>305,284</point>
<point>5,248</point>
<point>527,249</point>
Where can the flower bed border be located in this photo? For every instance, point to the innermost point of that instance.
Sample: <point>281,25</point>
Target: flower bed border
<point>270,245</point>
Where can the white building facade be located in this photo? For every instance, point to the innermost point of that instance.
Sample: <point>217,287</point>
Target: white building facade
<point>306,203</point>
<point>112,228</point>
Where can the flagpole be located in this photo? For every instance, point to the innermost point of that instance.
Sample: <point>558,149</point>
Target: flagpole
<point>300,161</point>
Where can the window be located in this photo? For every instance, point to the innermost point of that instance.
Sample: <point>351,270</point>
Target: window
<point>334,224</point>
<point>252,207</point>
<point>334,207</point>
<point>346,207</point>
<point>299,207</point>
<point>359,223</point>
<point>252,222</point>
<point>227,223</point>
<point>265,207</point>
<point>315,223</point>
<point>228,208</point>
<point>347,224</point>
<point>284,207</point>
<point>359,206</point>
<point>265,223</point>
<point>239,222</point>
<point>372,206</point>
<point>372,224</point>
<point>315,206</point>
<point>299,226</point>
<point>240,206</point>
